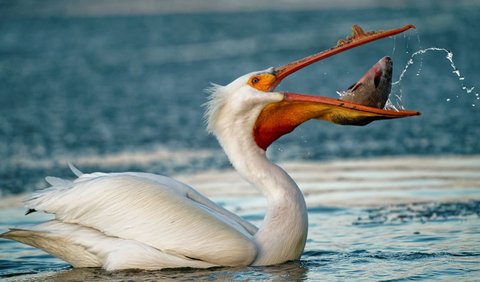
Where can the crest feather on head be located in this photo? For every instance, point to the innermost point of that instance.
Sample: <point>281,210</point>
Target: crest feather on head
<point>216,100</point>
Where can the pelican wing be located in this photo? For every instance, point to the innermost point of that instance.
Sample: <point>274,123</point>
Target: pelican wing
<point>86,247</point>
<point>154,210</point>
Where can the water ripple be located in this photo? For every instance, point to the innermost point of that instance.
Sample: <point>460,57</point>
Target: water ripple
<point>422,212</point>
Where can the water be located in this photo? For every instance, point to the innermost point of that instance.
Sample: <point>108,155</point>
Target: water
<point>422,241</point>
<point>397,104</point>
<point>77,85</point>
<point>118,88</point>
<point>384,219</point>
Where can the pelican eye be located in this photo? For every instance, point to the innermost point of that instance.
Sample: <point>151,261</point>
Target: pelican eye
<point>262,81</point>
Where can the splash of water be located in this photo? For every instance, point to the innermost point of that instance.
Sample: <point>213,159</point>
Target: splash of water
<point>449,56</point>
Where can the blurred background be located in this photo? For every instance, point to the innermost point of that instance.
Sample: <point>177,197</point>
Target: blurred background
<point>119,85</point>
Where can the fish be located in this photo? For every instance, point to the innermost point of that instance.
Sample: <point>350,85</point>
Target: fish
<point>374,88</point>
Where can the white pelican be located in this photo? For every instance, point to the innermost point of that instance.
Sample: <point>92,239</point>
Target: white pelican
<point>147,221</point>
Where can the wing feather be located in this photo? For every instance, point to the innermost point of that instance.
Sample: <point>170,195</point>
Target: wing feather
<point>86,247</point>
<point>153,210</point>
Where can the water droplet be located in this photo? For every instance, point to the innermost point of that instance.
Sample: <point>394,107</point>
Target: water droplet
<point>449,56</point>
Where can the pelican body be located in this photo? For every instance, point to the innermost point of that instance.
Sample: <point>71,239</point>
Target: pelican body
<point>148,221</point>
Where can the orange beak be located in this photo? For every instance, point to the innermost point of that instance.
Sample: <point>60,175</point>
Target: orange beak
<point>280,118</point>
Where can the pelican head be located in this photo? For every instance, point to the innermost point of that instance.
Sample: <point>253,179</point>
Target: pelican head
<point>250,102</point>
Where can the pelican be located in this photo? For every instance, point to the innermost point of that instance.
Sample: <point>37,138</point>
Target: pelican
<point>147,221</point>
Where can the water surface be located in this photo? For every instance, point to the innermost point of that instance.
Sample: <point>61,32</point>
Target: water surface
<point>384,219</point>
<point>82,85</point>
<point>117,88</point>
<point>422,241</point>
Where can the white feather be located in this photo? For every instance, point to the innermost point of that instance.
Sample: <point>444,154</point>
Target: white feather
<point>87,247</point>
<point>141,220</point>
<point>55,181</point>
<point>152,210</point>
<point>75,170</point>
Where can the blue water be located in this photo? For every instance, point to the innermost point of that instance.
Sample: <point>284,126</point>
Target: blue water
<point>394,243</point>
<point>78,85</point>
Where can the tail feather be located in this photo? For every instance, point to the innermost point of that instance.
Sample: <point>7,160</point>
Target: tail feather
<point>55,181</point>
<point>57,245</point>
<point>86,247</point>
<point>50,198</point>
<point>75,170</point>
